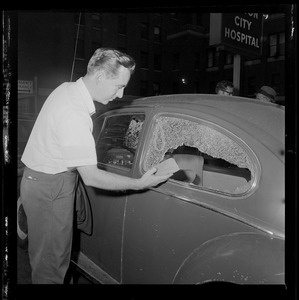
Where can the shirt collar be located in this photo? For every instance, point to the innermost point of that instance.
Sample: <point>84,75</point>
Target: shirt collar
<point>86,96</point>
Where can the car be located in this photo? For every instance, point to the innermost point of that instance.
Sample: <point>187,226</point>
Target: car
<point>221,217</point>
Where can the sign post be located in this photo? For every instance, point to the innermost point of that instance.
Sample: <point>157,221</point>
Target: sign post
<point>237,72</point>
<point>240,34</point>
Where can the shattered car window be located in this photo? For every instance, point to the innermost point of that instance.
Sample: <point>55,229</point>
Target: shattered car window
<point>206,156</point>
<point>118,140</point>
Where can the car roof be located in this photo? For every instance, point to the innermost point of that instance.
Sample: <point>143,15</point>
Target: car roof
<point>268,116</point>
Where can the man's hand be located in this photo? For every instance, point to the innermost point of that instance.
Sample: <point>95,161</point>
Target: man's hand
<point>150,180</point>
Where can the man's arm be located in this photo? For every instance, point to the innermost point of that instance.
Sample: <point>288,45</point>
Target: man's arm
<point>92,176</point>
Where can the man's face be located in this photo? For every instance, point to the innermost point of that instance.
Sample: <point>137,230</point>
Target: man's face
<point>262,97</point>
<point>228,91</point>
<point>109,88</point>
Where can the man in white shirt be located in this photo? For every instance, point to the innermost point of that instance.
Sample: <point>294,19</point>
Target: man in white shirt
<point>61,141</point>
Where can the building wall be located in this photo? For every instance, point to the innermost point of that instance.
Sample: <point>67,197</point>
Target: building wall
<point>267,70</point>
<point>46,43</point>
<point>44,48</point>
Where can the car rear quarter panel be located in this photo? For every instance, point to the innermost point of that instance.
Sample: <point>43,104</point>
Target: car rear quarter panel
<point>161,232</point>
<point>165,225</point>
<point>243,258</point>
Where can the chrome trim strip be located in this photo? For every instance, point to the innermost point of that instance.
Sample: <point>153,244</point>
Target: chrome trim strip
<point>94,271</point>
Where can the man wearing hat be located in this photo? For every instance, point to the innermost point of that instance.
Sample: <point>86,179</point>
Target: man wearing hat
<point>266,93</point>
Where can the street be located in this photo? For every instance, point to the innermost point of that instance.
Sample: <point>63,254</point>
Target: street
<point>24,269</point>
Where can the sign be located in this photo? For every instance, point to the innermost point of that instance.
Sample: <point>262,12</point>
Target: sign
<point>238,33</point>
<point>25,86</point>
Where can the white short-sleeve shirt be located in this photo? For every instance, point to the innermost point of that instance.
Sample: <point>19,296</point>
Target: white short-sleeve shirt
<point>61,138</point>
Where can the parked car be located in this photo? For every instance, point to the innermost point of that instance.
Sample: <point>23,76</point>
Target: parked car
<point>220,218</point>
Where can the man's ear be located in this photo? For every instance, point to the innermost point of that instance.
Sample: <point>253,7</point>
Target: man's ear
<point>99,75</point>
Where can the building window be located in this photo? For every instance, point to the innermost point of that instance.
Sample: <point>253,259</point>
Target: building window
<point>277,44</point>
<point>157,34</point>
<point>122,25</point>
<point>157,62</point>
<point>228,58</point>
<point>23,106</point>
<point>176,61</point>
<point>211,58</point>
<point>143,88</point>
<point>157,88</point>
<point>144,60</point>
<point>281,43</point>
<point>144,31</point>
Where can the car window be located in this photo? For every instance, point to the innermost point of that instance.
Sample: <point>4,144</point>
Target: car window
<point>208,156</point>
<point>117,142</point>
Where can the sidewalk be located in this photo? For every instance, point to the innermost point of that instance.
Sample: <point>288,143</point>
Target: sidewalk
<point>24,269</point>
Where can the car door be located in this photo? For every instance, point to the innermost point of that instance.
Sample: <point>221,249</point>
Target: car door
<point>117,136</point>
<point>165,225</point>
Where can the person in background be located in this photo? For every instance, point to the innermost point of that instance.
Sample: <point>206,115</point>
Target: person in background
<point>266,94</point>
<point>224,87</point>
<point>61,147</point>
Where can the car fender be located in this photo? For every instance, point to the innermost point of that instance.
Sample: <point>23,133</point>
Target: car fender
<point>242,258</point>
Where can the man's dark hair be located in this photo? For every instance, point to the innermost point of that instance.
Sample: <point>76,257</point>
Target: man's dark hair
<point>222,85</point>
